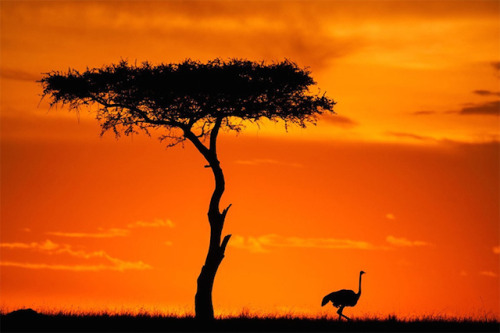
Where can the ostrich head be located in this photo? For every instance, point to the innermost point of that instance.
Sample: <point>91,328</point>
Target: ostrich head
<point>362,272</point>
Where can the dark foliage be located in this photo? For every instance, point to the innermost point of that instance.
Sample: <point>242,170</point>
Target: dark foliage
<point>190,95</point>
<point>146,323</point>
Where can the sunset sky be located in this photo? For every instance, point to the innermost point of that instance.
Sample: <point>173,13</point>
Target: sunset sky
<point>402,183</point>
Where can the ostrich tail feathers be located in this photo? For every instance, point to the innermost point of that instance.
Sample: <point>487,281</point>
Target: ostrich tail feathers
<point>325,300</point>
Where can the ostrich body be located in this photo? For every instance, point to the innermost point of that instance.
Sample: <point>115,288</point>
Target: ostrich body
<point>343,298</point>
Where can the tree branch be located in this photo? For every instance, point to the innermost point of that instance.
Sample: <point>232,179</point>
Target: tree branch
<point>197,143</point>
<point>134,109</point>
<point>213,135</point>
<point>224,243</point>
<point>143,114</point>
<point>224,212</point>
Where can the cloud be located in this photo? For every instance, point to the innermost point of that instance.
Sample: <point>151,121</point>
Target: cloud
<point>491,108</point>
<point>486,93</point>
<point>269,31</point>
<point>390,216</point>
<point>45,246</point>
<point>78,268</point>
<point>404,242</point>
<point>496,65</point>
<point>488,109</point>
<point>488,273</point>
<point>51,248</point>
<point>16,74</point>
<point>18,245</point>
<point>103,233</point>
<point>423,113</point>
<point>156,223</point>
<point>251,244</point>
<point>296,34</point>
<point>496,249</point>
<point>261,244</point>
<point>339,121</point>
<point>410,136</point>
<point>264,161</point>
<point>114,232</point>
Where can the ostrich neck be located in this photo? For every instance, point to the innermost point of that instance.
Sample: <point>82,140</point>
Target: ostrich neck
<point>359,291</point>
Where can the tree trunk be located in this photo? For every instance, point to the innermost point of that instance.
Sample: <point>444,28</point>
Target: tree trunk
<point>203,300</point>
<point>204,309</point>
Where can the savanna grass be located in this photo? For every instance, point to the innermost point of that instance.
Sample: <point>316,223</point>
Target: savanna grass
<point>243,322</point>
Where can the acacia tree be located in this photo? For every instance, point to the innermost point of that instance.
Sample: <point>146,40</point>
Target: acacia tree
<point>192,101</point>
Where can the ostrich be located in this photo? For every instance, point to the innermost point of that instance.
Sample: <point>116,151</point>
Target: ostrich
<point>343,298</point>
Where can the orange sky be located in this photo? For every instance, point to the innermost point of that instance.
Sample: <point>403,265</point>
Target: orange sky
<point>403,183</point>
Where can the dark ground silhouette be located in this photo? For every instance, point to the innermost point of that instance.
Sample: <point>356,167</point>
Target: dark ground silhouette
<point>30,321</point>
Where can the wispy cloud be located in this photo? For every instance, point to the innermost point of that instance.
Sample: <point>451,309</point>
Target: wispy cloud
<point>401,241</point>
<point>496,249</point>
<point>496,65</point>
<point>156,223</point>
<point>491,108</point>
<point>489,274</point>
<point>410,136</point>
<point>51,248</point>
<point>481,92</point>
<point>423,113</point>
<point>102,233</point>
<point>266,242</point>
<point>340,121</point>
<point>115,232</point>
<point>78,268</point>
<point>488,109</point>
<point>17,74</point>
<point>264,161</point>
<point>45,246</point>
<point>252,244</point>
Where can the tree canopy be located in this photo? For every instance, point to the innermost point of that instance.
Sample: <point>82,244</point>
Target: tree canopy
<point>190,95</point>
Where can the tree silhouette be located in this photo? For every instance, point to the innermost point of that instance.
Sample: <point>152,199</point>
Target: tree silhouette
<point>192,101</point>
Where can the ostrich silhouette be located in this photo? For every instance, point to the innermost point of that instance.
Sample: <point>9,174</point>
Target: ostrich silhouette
<point>343,298</point>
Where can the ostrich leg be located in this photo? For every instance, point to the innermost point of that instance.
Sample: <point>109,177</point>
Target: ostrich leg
<point>339,311</point>
<point>342,315</point>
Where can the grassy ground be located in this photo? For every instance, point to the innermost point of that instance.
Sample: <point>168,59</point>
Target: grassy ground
<point>34,322</point>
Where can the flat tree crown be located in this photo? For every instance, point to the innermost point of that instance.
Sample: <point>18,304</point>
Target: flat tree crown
<point>190,95</point>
